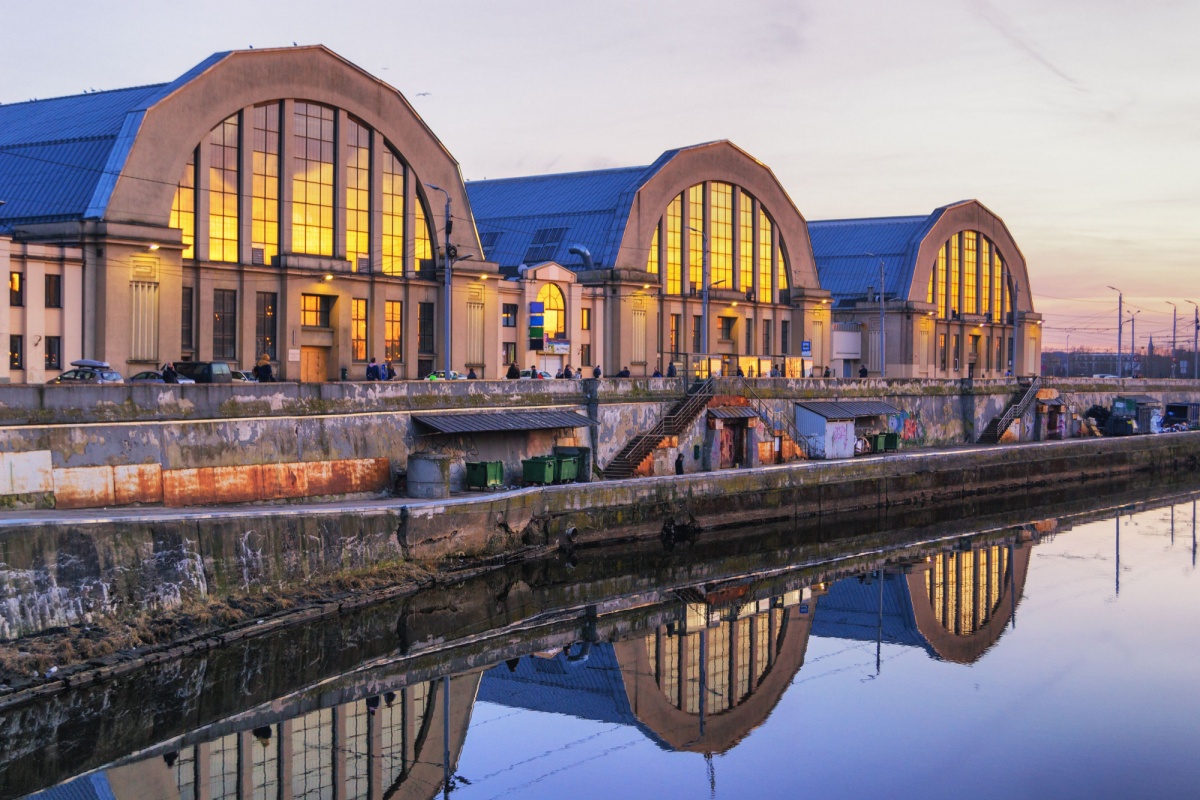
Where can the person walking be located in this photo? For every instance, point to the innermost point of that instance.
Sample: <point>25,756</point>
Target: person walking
<point>169,374</point>
<point>513,373</point>
<point>596,373</point>
<point>679,463</point>
<point>471,374</point>
<point>372,370</point>
<point>671,369</point>
<point>262,370</point>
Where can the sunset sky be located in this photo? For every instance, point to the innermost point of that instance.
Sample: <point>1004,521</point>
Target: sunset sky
<point>1078,123</point>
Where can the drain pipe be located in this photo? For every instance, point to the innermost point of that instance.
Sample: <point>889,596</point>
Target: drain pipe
<point>584,253</point>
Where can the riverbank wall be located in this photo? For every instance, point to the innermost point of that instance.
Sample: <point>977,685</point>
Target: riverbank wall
<point>76,570</point>
<point>106,446</point>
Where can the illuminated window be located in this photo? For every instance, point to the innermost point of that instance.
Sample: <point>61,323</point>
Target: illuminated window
<point>265,325</point>
<point>264,184</point>
<point>393,330</point>
<point>555,324</point>
<point>510,353</point>
<point>1006,285</point>
<point>223,191</point>
<point>954,300</point>
<point>315,310</point>
<point>358,328</point>
<point>970,264</point>
<point>585,319</point>
<point>720,239</point>
<point>765,252</point>
<point>674,246</point>
<point>676,322</point>
<point>393,215</point>
<point>358,196</point>
<point>53,352</point>
<point>929,293</point>
<point>985,278</point>
<point>422,241</point>
<point>16,352</point>
<point>941,283</point>
<point>652,259</point>
<point>696,236</point>
<point>183,207</point>
<point>746,251</point>
<point>312,180</point>
<point>781,273</point>
<point>997,275</point>
<point>508,315</point>
<point>16,289</point>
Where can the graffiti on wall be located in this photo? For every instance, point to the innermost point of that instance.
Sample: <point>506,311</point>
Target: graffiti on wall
<point>908,425</point>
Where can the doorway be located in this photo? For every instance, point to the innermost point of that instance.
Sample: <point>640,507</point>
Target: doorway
<point>314,364</point>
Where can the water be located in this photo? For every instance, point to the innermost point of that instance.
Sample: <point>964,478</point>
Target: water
<point>1050,656</point>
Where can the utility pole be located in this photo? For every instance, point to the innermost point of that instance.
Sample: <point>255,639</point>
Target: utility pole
<point>882,322</point>
<point>446,260</point>
<point>1195,342</point>
<point>1133,342</point>
<point>1174,317</point>
<point>1120,322</point>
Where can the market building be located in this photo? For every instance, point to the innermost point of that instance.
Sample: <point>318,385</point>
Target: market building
<point>640,241</point>
<point>267,201</point>
<point>950,288</point>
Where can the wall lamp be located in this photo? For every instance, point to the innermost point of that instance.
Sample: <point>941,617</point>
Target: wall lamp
<point>328,276</point>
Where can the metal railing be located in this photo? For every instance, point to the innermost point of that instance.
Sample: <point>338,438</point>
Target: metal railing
<point>777,422</point>
<point>682,415</point>
<point>1016,410</point>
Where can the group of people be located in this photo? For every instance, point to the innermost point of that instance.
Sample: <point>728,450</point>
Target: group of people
<point>565,371</point>
<point>380,372</point>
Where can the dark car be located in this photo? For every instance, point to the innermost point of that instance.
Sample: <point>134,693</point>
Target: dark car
<point>155,376</point>
<point>88,371</point>
<point>205,371</point>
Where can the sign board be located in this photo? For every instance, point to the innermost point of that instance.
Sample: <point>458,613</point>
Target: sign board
<point>806,348</point>
<point>293,354</point>
<point>558,347</point>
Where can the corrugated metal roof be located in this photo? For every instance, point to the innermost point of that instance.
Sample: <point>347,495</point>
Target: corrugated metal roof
<point>87,787</point>
<point>732,412</point>
<point>851,610</point>
<point>593,206</point>
<point>502,421</point>
<point>592,689</point>
<point>840,248</point>
<point>60,158</point>
<point>849,409</point>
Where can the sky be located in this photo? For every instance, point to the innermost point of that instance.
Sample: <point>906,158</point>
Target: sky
<point>1078,123</point>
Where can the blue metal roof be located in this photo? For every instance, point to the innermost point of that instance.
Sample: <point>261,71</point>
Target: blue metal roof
<point>848,252</point>
<point>850,610</point>
<point>87,787</point>
<point>591,689</point>
<point>592,206</point>
<point>60,158</point>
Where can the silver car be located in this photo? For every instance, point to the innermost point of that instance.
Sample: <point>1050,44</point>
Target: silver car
<point>87,371</point>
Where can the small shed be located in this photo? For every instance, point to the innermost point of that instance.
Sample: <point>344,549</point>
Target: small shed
<point>1140,407</point>
<point>831,428</point>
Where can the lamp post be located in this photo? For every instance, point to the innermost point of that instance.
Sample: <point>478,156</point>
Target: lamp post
<point>1195,342</point>
<point>1120,323</point>
<point>446,305</point>
<point>1133,341</point>
<point>882,325</point>
<point>1068,355</point>
<point>1174,317</point>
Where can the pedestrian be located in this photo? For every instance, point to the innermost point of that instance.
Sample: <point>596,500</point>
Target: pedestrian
<point>596,373</point>
<point>558,375</point>
<point>679,463</point>
<point>387,371</point>
<point>740,374</point>
<point>774,371</point>
<point>262,370</point>
<point>568,373</point>
<point>513,373</point>
<point>657,373</point>
<point>534,372</point>
<point>372,370</point>
<point>828,373</point>
<point>862,371</point>
<point>671,369</point>
<point>624,373</point>
<point>169,374</point>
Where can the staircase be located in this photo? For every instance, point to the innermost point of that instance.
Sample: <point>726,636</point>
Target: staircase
<point>774,422</point>
<point>996,428</point>
<point>681,415</point>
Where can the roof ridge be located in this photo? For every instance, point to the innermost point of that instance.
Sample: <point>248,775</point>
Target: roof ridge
<point>909,217</point>
<point>556,175</point>
<point>86,94</point>
<point>68,140</point>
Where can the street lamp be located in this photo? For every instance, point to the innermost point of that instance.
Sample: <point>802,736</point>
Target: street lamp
<point>882,326</point>
<point>1174,316</point>
<point>1133,342</point>
<point>1120,323</point>
<point>1195,342</point>
<point>1068,355</point>
<point>446,310</point>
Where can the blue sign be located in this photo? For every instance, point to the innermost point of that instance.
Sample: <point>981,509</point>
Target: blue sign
<point>537,308</point>
<point>806,349</point>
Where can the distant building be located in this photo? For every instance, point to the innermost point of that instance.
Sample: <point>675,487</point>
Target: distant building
<point>636,239</point>
<point>956,298</point>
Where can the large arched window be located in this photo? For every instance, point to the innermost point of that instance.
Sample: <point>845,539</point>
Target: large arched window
<point>555,311</point>
<point>745,251</point>
<point>317,171</point>
<point>970,277</point>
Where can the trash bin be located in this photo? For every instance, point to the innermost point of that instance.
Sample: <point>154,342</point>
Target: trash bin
<point>484,474</point>
<point>893,442</point>
<point>345,374</point>
<point>566,468</point>
<point>879,442</point>
<point>538,470</point>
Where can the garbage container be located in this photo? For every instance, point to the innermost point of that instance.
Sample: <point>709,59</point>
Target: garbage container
<point>484,474</point>
<point>538,470</point>
<point>345,374</point>
<point>893,442</point>
<point>879,442</point>
<point>566,468</point>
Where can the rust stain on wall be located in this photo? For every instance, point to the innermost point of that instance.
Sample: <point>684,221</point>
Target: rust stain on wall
<point>137,483</point>
<point>83,487</point>
<point>245,484</point>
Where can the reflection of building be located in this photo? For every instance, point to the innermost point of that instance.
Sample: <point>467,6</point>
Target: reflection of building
<point>701,683</point>
<point>638,239</point>
<point>954,605</point>
<point>956,294</point>
<point>385,746</point>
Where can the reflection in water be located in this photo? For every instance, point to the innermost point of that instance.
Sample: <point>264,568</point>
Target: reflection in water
<point>692,668</point>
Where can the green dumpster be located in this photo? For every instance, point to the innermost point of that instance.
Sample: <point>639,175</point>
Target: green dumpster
<point>567,468</point>
<point>539,469</point>
<point>893,442</point>
<point>484,474</point>
<point>879,442</point>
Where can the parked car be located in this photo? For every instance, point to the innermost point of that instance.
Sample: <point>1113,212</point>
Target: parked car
<point>205,371</point>
<point>240,376</point>
<point>88,371</point>
<point>529,375</point>
<point>156,376</point>
<point>440,375</point>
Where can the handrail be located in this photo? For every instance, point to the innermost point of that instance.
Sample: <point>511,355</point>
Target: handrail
<point>1019,409</point>
<point>776,422</point>
<point>697,397</point>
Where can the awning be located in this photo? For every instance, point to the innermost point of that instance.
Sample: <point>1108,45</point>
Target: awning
<point>849,409</point>
<point>502,421</point>
<point>732,412</point>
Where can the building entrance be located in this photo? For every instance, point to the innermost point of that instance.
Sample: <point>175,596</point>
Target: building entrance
<point>314,364</point>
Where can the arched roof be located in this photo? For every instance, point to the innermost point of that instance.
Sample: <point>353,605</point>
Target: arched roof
<point>908,247</point>
<point>613,212</point>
